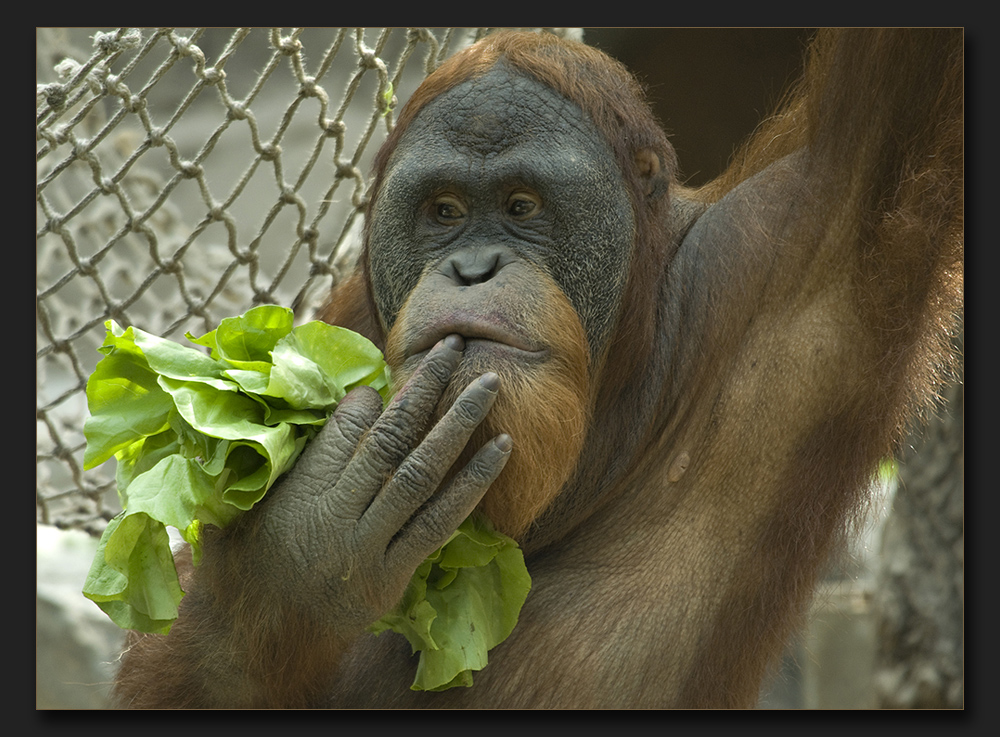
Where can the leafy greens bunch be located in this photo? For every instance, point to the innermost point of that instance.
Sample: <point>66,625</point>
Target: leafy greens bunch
<point>200,438</point>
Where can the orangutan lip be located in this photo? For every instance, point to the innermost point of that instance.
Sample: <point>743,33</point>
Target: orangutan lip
<point>472,330</point>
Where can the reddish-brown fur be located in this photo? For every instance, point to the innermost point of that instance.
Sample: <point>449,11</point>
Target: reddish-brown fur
<point>738,415</point>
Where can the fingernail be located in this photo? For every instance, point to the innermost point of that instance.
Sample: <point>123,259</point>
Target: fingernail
<point>504,442</point>
<point>454,342</point>
<point>490,381</point>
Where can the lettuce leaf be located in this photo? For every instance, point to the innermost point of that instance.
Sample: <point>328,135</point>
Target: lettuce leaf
<point>461,602</point>
<point>200,438</point>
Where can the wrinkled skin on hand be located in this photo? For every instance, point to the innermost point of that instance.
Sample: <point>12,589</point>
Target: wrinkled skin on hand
<point>342,532</point>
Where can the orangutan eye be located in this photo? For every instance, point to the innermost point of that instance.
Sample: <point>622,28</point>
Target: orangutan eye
<point>523,205</point>
<point>448,209</point>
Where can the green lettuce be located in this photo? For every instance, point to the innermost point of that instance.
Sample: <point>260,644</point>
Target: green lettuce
<point>461,602</point>
<point>200,437</point>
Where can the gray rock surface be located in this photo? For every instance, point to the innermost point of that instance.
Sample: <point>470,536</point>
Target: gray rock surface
<point>76,645</point>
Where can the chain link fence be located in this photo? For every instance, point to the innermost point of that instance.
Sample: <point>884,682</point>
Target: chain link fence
<point>187,175</point>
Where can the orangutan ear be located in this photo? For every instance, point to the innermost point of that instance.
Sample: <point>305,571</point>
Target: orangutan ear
<point>652,171</point>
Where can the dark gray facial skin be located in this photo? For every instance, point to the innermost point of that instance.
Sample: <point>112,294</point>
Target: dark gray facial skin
<point>498,170</point>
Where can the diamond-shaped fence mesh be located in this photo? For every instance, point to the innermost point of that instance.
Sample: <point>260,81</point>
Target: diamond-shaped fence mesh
<point>186,175</point>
